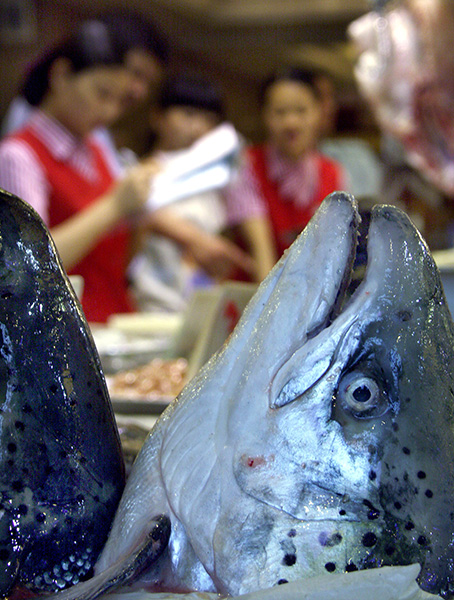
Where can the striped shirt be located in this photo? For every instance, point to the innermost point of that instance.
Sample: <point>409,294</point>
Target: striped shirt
<point>297,182</point>
<point>21,171</point>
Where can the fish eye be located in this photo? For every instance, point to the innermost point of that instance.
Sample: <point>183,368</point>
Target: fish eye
<point>360,394</point>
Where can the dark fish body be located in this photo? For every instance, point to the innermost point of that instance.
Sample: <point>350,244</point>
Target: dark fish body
<point>61,468</point>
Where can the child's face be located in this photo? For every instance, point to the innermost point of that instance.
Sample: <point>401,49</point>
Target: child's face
<point>292,118</point>
<point>181,126</point>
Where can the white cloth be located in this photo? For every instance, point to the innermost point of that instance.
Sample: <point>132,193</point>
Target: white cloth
<point>191,180</point>
<point>160,277</point>
<point>207,165</point>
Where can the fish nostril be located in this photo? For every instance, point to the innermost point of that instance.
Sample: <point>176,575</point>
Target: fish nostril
<point>404,315</point>
<point>289,560</point>
<point>390,550</point>
<point>422,540</point>
<point>330,540</point>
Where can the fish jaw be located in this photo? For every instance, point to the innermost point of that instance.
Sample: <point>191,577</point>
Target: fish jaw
<point>54,407</point>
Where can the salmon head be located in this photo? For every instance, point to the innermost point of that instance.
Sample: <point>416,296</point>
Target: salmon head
<point>319,439</point>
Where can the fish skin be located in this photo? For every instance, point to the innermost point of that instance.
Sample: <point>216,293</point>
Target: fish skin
<point>319,439</point>
<point>61,467</point>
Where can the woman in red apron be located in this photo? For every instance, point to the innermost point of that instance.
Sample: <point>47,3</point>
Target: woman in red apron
<point>284,180</point>
<point>54,164</point>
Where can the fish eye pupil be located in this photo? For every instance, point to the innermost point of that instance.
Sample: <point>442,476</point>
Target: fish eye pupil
<point>362,394</point>
<point>359,394</point>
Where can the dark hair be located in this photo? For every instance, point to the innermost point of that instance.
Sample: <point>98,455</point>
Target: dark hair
<point>92,45</point>
<point>191,91</point>
<point>134,32</point>
<point>300,75</point>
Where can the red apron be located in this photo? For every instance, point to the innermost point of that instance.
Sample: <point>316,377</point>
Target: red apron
<point>287,218</point>
<point>104,268</point>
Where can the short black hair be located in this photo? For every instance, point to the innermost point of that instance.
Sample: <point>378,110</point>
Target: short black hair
<point>194,91</point>
<point>135,32</point>
<point>306,77</point>
<point>93,44</point>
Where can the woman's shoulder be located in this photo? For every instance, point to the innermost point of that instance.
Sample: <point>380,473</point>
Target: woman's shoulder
<point>22,173</point>
<point>16,147</point>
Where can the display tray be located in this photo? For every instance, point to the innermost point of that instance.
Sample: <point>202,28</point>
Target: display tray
<point>131,402</point>
<point>119,351</point>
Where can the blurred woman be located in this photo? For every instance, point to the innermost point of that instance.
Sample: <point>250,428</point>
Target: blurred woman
<point>54,165</point>
<point>284,180</point>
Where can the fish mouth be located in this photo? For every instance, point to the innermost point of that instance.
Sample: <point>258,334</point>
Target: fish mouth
<point>324,262</point>
<point>322,329</point>
<point>350,258</point>
<point>375,251</point>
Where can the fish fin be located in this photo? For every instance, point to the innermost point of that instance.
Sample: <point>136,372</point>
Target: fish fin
<point>123,571</point>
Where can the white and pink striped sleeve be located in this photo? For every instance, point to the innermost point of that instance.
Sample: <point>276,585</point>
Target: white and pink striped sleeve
<point>22,174</point>
<point>243,197</point>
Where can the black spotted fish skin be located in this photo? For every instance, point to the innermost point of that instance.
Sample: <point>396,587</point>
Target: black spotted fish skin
<point>61,468</point>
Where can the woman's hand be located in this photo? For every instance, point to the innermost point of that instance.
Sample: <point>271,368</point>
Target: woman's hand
<point>132,191</point>
<point>77,236</point>
<point>218,256</point>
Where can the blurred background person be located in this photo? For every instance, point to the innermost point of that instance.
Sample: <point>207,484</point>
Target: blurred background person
<point>145,54</point>
<point>146,57</point>
<point>182,244</point>
<point>284,180</point>
<point>361,163</point>
<point>55,165</point>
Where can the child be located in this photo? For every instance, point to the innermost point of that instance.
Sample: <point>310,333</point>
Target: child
<point>182,237</point>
